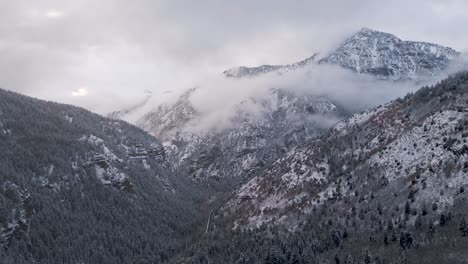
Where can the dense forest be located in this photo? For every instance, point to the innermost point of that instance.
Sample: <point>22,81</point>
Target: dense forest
<point>79,188</point>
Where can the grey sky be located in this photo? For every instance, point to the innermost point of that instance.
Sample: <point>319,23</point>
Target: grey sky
<point>102,54</point>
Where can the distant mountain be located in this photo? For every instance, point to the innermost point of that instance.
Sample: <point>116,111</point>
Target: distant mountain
<point>386,56</point>
<point>388,185</point>
<point>371,52</point>
<point>76,187</point>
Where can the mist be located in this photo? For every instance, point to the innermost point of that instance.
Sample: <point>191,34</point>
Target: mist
<point>219,101</point>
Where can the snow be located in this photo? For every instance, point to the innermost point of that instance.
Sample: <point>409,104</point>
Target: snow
<point>100,173</point>
<point>413,148</point>
<point>98,142</point>
<point>109,175</point>
<point>69,118</point>
<point>74,165</point>
<point>359,119</point>
<point>51,169</point>
<point>91,139</point>
<point>146,165</point>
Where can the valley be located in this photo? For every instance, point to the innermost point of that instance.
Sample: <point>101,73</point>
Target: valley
<point>298,171</point>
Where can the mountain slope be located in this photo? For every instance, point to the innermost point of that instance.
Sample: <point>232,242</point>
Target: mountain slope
<point>385,186</point>
<point>398,146</point>
<point>79,188</point>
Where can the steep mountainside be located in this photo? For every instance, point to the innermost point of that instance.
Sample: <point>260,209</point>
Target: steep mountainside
<point>391,180</point>
<point>79,188</point>
<point>386,56</point>
<point>398,147</point>
<point>250,145</point>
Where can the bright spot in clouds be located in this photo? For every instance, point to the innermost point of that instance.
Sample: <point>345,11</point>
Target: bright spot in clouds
<point>80,92</point>
<point>54,14</point>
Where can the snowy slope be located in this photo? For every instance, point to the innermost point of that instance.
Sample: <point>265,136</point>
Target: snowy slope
<point>413,150</point>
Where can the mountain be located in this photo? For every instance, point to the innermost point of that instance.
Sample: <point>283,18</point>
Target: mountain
<point>372,52</point>
<point>76,187</point>
<point>386,56</point>
<point>242,71</point>
<point>387,185</point>
<point>285,119</point>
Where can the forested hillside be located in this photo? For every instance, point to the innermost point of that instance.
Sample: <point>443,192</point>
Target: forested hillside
<point>79,188</point>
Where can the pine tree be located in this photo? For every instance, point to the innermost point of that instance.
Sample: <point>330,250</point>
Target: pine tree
<point>463,227</point>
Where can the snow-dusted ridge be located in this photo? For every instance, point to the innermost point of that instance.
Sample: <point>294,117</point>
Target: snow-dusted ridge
<point>411,150</point>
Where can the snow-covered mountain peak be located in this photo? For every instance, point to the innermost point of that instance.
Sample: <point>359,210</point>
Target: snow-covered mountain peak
<point>388,57</point>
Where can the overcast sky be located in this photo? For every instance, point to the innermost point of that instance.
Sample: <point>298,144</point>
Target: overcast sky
<point>103,53</point>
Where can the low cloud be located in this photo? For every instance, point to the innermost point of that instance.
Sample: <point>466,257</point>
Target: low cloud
<point>219,100</point>
<point>80,92</point>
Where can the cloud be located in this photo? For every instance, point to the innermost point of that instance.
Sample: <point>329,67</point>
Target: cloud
<point>122,48</point>
<point>219,101</point>
<point>80,92</point>
<point>54,14</point>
